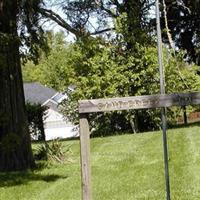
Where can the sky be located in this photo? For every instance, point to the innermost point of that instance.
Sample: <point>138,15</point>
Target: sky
<point>52,26</point>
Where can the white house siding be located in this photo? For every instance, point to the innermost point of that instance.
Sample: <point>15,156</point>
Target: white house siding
<point>56,127</point>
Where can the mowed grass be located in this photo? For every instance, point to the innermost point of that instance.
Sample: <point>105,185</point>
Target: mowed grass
<point>126,167</point>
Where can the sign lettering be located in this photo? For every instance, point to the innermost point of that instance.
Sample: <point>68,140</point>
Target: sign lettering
<point>138,102</point>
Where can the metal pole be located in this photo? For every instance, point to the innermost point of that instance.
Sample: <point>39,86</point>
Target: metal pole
<point>162,91</point>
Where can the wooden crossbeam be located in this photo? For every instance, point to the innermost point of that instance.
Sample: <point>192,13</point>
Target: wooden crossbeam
<point>139,102</point>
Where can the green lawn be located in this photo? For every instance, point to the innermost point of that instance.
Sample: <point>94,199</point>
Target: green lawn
<point>127,167</point>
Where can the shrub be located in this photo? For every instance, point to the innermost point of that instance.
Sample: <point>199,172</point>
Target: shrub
<point>36,114</point>
<point>53,151</point>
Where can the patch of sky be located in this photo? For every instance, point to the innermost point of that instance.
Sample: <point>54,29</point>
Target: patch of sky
<point>49,25</point>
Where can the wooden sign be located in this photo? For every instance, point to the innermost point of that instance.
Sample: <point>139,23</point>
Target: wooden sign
<point>139,102</point>
<point>126,103</point>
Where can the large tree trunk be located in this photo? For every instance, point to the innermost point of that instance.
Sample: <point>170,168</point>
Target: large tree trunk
<point>15,144</point>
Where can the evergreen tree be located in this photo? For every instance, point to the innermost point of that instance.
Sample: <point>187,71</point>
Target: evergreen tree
<point>183,23</point>
<point>18,25</point>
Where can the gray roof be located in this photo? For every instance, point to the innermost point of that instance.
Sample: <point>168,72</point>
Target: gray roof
<point>37,93</point>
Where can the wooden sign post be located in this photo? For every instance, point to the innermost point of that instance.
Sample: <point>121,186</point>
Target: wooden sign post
<point>85,157</point>
<point>114,104</point>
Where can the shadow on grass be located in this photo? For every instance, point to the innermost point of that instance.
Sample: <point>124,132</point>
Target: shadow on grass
<point>22,178</point>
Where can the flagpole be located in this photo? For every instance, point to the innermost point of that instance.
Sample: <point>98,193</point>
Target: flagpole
<point>163,110</point>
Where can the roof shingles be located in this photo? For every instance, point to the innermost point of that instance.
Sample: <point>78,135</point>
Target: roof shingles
<point>36,93</point>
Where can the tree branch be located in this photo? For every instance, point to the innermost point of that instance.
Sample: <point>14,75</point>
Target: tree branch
<point>147,7</point>
<point>102,31</point>
<point>116,3</point>
<point>59,20</point>
<point>109,12</point>
<point>171,42</point>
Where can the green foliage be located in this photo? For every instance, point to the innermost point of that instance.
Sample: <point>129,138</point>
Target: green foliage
<point>101,69</point>
<point>53,70</point>
<point>31,34</point>
<point>122,65</point>
<point>36,115</point>
<point>133,20</point>
<point>104,70</point>
<point>53,151</point>
<point>56,152</point>
<point>184,27</point>
<point>41,152</point>
<point>180,77</point>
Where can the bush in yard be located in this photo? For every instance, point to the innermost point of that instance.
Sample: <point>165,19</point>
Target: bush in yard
<point>103,70</point>
<point>36,115</point>
<point>53,151</point>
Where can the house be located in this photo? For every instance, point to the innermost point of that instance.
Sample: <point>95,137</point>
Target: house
<point>55,126</point>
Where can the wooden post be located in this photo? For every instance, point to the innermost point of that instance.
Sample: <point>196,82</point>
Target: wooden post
<point>185,115</point>
<point>85,157</point>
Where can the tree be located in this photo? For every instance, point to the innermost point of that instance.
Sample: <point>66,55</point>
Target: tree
<point>80,15</point>
<point>36,115</point>
<point>53,69</point>
<point>183,21</point>
<point>124,64</point>
<point>182,18</point>
<point>18,25</point>
<point>100,68</point>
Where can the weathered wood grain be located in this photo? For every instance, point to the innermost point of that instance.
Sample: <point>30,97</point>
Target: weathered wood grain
<point>139,102</point>
<point>85,157</point>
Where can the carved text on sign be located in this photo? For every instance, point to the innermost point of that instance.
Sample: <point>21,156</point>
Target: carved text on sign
<point>139,102</point>
<point>131,104</point>
<point>184,100</point>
